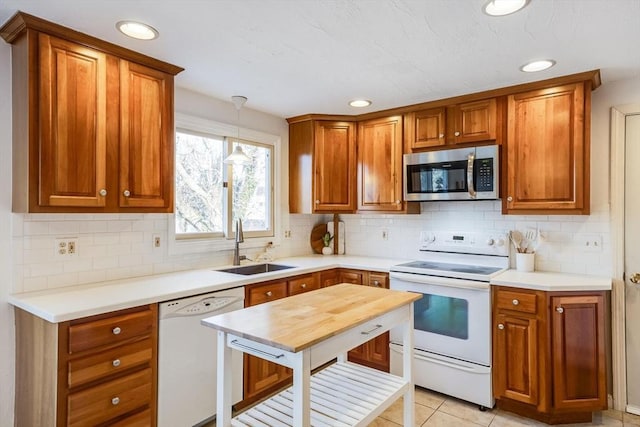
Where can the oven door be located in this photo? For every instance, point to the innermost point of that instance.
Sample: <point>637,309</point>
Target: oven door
<point>453,318</point>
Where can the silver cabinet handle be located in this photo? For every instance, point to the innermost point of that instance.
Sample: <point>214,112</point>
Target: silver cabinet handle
<point>515,302</point>
<point>126,193</point>
<point>102,192</point>
<point>371,330</point>
<point>457,133</point>
<point>500,326</point>
<point>560,310</point>
<point>116,363</point>
<point>268,293</point>
<point>115,401</point>
<point>116,330</point>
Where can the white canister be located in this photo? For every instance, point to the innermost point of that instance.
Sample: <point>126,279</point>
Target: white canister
<point>525,262</point>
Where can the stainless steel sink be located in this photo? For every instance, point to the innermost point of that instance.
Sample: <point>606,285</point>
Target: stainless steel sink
<point>249,270</point>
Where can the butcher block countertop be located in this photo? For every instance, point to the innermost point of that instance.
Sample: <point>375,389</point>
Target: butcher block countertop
<point>300,321</point>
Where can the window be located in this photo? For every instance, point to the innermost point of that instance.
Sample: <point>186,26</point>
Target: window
<point>211,195</point>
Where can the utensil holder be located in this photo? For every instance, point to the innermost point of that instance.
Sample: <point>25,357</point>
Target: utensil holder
<point>525,262</point>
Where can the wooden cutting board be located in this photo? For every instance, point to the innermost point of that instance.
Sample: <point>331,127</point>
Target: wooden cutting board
<point>316,238</point>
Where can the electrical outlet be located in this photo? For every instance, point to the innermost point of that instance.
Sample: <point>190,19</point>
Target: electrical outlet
<point>591,243</point>
<point>66,247</point>
<point>287,234</point>
<point>385,234</point>
<point>156,241</point>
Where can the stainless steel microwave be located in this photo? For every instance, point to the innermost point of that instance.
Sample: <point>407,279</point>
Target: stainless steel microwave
<point>460,174</point>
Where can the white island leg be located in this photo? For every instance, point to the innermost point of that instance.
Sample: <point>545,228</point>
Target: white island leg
<point>302,389</point>
<point>407,367</point>
<point>223,386</point>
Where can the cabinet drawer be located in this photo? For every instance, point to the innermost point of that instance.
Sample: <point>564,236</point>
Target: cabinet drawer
<point>302,284</point>
<point>379,280</point>
<point>328,278</point>
<point>517,301</point>
<point>265,293</point>
<point>87,369</point>
<point>99,404</point>
<point>353,277</point>
<point>111,330</point>
<point>140,419</point>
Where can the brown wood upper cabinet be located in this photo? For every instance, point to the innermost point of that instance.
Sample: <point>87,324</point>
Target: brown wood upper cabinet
<point>322,166</point>
<point>93,123</point>
<point>467,122</point>
<point>547,158</point>
<point>380,164</point>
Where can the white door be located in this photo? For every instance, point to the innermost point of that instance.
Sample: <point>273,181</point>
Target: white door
<point>632,260</point>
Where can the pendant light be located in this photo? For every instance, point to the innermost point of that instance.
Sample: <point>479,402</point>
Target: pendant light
<point>238,157</point>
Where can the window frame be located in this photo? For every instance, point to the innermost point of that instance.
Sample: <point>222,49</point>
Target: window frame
<point>218,241</point>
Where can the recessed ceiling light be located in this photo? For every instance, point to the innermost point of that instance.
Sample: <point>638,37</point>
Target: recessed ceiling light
<point>503,7</point>
<point>137,30</point>
<point>358,103</point>
<point>534,66</point>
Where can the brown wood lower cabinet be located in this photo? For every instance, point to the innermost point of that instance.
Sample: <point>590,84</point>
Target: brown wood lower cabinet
<point>549,353</point>
<point>374,353</point>
<point>262,377</point>
<point>100,370</point>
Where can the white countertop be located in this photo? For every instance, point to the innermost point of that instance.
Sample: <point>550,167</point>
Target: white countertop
<point>60,305</point>
<point>547,281</point>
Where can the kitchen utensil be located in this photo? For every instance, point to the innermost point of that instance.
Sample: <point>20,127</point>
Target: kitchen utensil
<point>316,238</point>
<point>530,241</point>
<point>516,238</point>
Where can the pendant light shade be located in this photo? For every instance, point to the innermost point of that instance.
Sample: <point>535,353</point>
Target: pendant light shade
<point>238,157</point>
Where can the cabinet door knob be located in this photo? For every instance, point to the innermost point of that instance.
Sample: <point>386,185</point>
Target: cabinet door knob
<point>515,302</point>
<point>304,285</point>
<point>317,202</point>
<point>126,193</point>
<point>397,202</point>
<point>103,192</point>
<point>116,330</point>
<point>500,326</point>
<point>635,278</point>
<point>441,136</point>
<point>560,310</point>
<point>116,363</point>
<point>509,199</point>
<point>268,293</point>
<point>376,283</point>
<point>457,133</point>
<point>115,401</point>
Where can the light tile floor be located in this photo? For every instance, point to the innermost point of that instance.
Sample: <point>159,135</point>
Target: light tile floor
<point>437,410</point>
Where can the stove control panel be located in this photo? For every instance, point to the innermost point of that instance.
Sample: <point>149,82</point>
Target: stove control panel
<point>481,243</point>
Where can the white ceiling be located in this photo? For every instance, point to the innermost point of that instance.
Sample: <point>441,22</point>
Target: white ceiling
<point>292,57</point>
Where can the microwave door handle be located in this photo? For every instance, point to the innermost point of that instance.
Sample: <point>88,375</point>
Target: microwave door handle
<point>470,161</point>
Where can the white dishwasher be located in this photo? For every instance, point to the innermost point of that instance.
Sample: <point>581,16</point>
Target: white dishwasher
<point>187,358</point>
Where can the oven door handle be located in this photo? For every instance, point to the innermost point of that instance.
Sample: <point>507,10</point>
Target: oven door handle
<point>435,280</point>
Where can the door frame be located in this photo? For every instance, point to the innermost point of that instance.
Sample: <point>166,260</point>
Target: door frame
<point>618,324</point>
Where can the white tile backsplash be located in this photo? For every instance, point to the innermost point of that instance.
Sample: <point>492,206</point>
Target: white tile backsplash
<point>113,246</point>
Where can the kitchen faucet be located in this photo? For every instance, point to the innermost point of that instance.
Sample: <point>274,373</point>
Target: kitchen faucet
<point>239,239</point>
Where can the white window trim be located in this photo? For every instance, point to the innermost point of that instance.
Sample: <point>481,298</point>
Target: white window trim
<point>192,246</point>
